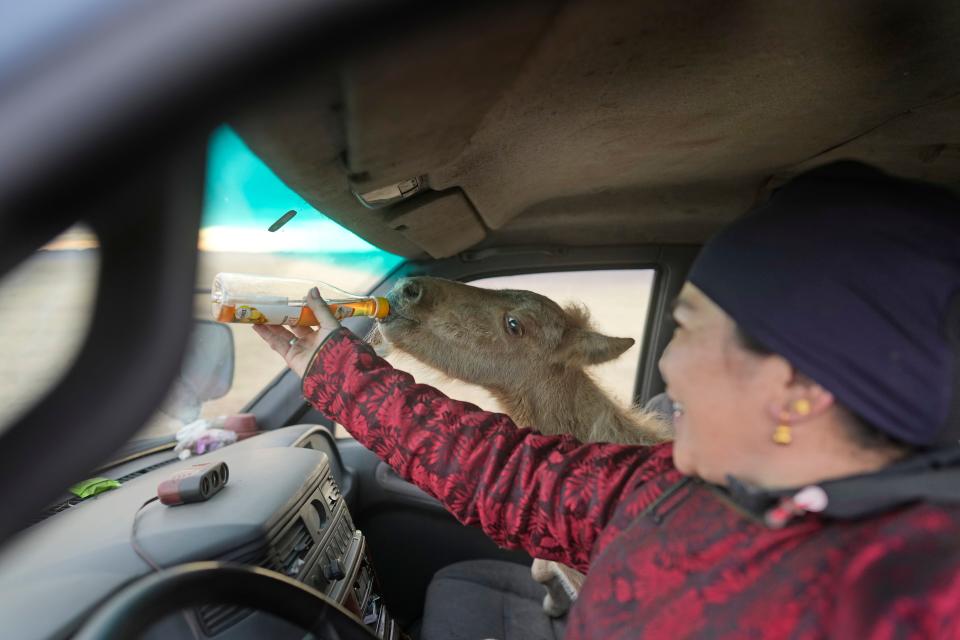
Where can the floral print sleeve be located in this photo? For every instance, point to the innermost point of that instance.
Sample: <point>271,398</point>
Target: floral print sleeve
<point>551,496</point>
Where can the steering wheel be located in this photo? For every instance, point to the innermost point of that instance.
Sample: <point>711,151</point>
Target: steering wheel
<point>135,608</point>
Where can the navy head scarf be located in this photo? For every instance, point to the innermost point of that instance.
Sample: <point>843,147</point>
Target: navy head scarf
<point>854,277</point>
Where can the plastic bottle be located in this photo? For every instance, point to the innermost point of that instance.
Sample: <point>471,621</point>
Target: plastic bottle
<point>251,299</point>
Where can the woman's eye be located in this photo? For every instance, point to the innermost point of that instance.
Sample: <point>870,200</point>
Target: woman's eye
<point>513,326</point>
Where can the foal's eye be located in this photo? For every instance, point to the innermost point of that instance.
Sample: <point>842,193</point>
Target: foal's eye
<point>513,326</point>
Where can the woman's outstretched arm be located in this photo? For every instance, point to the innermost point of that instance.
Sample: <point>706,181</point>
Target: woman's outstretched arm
<point>549,495</point>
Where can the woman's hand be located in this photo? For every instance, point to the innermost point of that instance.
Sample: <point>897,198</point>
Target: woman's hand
<point>298,344</point>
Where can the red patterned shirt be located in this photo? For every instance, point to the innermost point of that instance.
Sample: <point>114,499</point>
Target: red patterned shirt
<point>668,556</point>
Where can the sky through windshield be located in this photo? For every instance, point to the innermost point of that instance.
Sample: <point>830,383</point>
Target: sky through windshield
<point>244,197</point>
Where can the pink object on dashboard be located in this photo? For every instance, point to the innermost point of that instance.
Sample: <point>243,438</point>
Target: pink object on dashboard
<point>243,424</point>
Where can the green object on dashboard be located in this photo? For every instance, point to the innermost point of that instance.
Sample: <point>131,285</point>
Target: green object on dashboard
<point>93,486</point>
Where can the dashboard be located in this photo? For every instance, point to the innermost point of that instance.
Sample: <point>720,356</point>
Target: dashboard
<point>282,509</point>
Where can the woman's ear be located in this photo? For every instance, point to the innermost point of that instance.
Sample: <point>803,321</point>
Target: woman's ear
<point>804,400</point>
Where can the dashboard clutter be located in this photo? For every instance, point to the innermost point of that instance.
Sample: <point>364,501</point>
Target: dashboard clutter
<point>93,486</point>
<point>243,424</point>
<point>194,484</point>
<point>203,436</point>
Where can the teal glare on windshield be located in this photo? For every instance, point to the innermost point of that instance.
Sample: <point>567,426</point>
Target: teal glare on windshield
<point>244,197</point>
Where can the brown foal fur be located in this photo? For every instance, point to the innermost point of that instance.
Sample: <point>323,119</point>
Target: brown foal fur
<point>525,349</point>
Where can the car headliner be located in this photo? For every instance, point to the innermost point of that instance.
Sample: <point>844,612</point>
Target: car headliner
<point>604,122</point>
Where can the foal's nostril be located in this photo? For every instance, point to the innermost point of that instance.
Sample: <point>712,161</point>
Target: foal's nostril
<point>412,292</point>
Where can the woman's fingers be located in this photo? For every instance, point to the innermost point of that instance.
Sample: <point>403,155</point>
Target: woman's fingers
<point>302,332</point>
<point>322,312</point>
<point>298,344</point>
<point>276,336</point>
<point>296,350</point>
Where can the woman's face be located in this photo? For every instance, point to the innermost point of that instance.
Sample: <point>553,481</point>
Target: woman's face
<point>725,393</point>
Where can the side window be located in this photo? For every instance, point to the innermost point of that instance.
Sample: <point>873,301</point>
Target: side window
<point>617,300</point>
<point>47,305</point>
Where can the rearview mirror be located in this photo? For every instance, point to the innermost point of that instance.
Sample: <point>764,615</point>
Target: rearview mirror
<point>206,372</point>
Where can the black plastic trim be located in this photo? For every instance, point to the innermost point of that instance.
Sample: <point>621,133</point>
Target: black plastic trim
<point>673,265</point>
<point>147,229</point>
<point>950,434</point>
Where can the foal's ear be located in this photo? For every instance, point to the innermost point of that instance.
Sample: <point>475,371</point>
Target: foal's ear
<point>584,347</point>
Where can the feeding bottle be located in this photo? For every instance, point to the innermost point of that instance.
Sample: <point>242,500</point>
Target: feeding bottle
<point>250,299</point>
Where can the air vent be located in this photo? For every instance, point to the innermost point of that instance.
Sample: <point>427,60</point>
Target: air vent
<point>341,538</point>
<point>258,557</point>
<point>215,618</point>
<point>291,549</point>
<point>146,470</point>
<point>54,509</point>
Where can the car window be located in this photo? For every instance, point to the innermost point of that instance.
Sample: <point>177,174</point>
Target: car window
<point>617,299</point>
<point>46,304</point>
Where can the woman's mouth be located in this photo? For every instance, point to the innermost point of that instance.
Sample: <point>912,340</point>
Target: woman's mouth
<point>678,410</point>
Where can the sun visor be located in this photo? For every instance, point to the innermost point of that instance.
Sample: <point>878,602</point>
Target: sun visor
<point>442,223</point>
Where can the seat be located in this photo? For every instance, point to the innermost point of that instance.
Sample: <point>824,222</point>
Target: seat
<point>479,599</point>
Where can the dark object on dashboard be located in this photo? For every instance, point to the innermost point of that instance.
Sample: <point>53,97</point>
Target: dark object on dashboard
<point>194,484</point>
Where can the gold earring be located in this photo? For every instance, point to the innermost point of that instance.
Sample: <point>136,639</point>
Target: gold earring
<point>802,406</point>
<point>782,435</point>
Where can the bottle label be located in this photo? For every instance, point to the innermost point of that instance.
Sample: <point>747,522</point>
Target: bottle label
<point>267,314</point>
<point>349,308</point>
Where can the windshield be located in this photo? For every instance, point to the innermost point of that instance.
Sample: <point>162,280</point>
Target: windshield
<point>243,199</point>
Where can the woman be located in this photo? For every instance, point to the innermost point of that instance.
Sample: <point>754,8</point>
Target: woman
<point>813,489</point>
